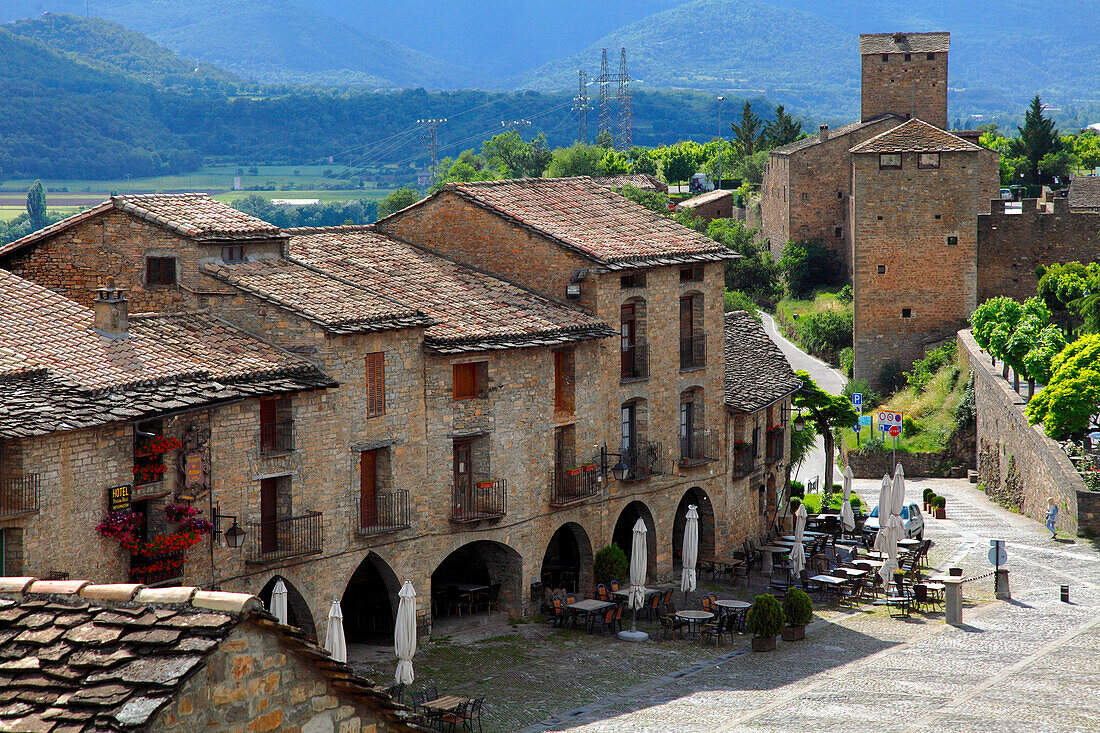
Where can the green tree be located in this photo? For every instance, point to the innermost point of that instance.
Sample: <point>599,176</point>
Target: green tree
<point>397,200</point>
<point>748,132</point>
<point>576,160</point>
<point>991,314</point>
<point>1068,405</point>
<point>751,168</point>
<point>1086,147</point>
<point>828,412</point>
<point>642,162</point>
<point>1038,138</point>
<point>516,158</point>
<point>755,272</point>
<point>782,130</point>
<point>605,140</point>
<point>655,201</point>
<point>36,206</point>
<point>680,163</point>
<point>1059,165</point>
<point>1038,361</point>
<point>808,265</point>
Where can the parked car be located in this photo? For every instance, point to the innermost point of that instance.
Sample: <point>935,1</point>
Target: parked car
<point>1006,194</point>
<point>911,517</point>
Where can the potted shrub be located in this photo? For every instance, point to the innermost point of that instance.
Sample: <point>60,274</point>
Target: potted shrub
<point>928,494</point>
<point>794,504</point>
<point>940,505</point>
<point>765,621</point>
<point>798,611</point>
<point>574,471</point>
<point>611,564</point>
<point>588,467</point>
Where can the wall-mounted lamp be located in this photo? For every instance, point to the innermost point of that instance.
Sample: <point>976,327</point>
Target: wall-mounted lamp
<point>234,535</point>
<point>619,470</point>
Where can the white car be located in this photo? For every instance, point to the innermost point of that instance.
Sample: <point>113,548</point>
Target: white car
<point>911,517</point>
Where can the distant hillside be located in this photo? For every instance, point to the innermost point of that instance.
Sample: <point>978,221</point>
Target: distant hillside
<point>752,47</point>
<point>109,46</point>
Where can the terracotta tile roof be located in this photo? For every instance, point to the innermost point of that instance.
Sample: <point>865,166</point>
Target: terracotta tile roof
<point>58,373</point>
<point>936,42</point>
<point>705,198</point>
<point>756,372</point>
<point>474,310</point>
<point>337,305</point>
<point>193,215</point>
<point>812,140</point>
<point>641,181</point>
<point>582,216</point>
<point>916,136</point>
<point>81,657</point>
<point>1084,192</point>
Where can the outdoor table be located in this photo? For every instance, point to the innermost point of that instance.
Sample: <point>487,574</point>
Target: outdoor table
<point>589,609</point>
<point>468,587</point>
<point>767,550</point>
<point>733,605</point>
<point>444,704</point>
<point>875,555</point>
<point>908,543</point>
<point>830,581</point>
<point>875,564</point>
<point>694,618</point>
<point>805,536</point>
<point>851,572</point>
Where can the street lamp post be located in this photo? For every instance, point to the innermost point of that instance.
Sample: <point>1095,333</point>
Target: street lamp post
<point>721,141</point>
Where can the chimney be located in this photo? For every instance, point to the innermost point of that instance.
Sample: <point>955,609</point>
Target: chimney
<point>823,133</point>
<point>111,318</point>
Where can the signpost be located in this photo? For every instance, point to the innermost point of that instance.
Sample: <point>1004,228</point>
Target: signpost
<point>999,557</point>
<point>857,399</point>
<point>890,422</point>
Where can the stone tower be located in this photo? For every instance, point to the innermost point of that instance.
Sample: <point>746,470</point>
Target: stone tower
<point>906,74</point>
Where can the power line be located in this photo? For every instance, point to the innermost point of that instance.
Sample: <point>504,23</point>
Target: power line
<point>581,106</point>
<point>604,80</point>
<point>429,129</point>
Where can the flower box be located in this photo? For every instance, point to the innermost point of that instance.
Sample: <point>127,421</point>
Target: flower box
<point>573,471</point>
<point>485,484</point>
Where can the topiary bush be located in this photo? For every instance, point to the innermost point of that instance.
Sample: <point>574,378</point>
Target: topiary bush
<point>797,608</point>
<point>928,494</point>
<point>795,503</point>
<point>797,488</point>
<point>938,502</point>
<point>765,618</point>
<point>611,564</point>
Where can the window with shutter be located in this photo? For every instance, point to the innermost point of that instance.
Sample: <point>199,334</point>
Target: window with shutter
<point>470,380</point>
<point>376,384</point>
<point>564,378</point>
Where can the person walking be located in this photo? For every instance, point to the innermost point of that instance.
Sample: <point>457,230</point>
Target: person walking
<point>1052,517</point>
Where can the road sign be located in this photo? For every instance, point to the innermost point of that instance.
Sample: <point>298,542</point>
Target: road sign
<point>857,399</point>
<point>856,427</point>
<point>998,556</point>
<point>865,420</point>
<point>895,431</point>
<point>888,419</point>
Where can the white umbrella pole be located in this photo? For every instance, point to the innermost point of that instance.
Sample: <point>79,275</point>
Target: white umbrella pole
<point>638,557</point>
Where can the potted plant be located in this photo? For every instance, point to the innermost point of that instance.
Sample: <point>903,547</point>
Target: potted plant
<point>485,484</point>
<point>794,504</point>
<point>765,621</point>
<point>798,611</point>
<point>928,494</point>
<point>574,471</point>
<point>940,505</point>
<point>588,467</point>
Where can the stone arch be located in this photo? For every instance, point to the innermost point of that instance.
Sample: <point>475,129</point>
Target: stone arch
<point>695,495</point>
<point>482,563</point>
<point>299,613</point>
<point>624,538</point>
<point>369,603</point>
<point>568,560</point>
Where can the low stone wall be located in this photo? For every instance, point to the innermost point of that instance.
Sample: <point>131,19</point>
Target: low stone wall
<point>1018,464</point>
<point>1088,513</point>
<point>917,465</point>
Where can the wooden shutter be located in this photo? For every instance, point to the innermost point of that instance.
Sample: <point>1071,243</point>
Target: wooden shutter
<point>465,381</point>
<point>376,384</point>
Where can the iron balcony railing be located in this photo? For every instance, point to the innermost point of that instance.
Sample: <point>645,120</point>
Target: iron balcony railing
<point>697,448</point>
<point>774,445</point>
<point>744,458</point>
<point>635,361</point>
<point>278,539</point>
<point>642,460</point>
<point>277,437</point>
<point>575,484</point>
<point>387,512</point>
<point>19,495</point>
<point>162,568</point>
<point>484,498</point>
<point>693,351</point>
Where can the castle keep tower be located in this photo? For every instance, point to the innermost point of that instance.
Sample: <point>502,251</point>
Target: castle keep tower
<point>906,74</point>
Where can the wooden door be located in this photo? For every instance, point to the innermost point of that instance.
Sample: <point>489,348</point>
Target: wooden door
<point>463,473</point>
<point>368,488</point>
<point>268,417</point>
<point>269,530</point>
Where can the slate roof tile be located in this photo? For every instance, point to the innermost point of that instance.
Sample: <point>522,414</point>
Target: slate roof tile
<point>934,42</point>
<point>756,372</point>
<point>916,136</point>
<point>1084,192</point>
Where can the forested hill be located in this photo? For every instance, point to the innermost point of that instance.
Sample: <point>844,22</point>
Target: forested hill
<point>111,47</point>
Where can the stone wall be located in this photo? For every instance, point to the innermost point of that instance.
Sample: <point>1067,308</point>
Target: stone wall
<point>254,682</point>
<point>1018,464</point>
<point>907,84</point>
<point>718,205</point>
<point>1012,245</point>
<point>1088,513</point>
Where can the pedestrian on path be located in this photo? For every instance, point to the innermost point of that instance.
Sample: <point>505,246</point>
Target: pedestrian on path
<point>1052,516</point>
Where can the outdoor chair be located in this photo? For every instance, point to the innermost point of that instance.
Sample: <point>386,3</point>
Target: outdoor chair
<point>452,719</point>
<point>850,593</point>
<point>670,624</point>
<point>602,593</point>
<point>615,586</point>
<point>492,597</point>
<point>808,585</point>
<point>708,602</point>
<point>468,713</point>
<point>559,611</point>
<point>653,605</point>
<point>570,599</point>
<point>396,692</point>
<point>454,601</point>
<point>668,597</point>
<point>607,623</point>
<point>742,571</point>
<point>716,628</point>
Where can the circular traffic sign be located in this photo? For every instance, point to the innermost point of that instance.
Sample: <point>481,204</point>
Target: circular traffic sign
<point>997,556</point>
<point>895,431</point>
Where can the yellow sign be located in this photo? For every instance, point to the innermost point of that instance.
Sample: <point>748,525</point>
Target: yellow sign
<point>194,471</point>
<point>118,498</point>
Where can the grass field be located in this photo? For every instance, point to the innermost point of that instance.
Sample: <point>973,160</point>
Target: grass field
<point>792,309</point>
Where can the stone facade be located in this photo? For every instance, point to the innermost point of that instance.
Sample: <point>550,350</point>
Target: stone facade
<point>905,84</point>
<point>903,221</point>
<point>1012,244</point>
<point>1019,466</point>
<point>712,205</point>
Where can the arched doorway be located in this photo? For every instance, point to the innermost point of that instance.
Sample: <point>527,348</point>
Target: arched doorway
<point>370,602</point>
<point>298,613</point>
<point>477,578</point>
<point>624,533</point>
<point>567,562</point>
<point>699,498</point>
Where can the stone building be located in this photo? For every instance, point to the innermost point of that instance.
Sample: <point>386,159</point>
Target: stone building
<point>916,195</point>
<point>492,358</point>
<point>81,657</point>
<point>717,204</point>
<point>904,74</point>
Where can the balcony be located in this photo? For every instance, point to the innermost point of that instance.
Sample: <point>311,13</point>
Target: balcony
<point>744,458</point>
<point>159,569</point>
<point>697,449</point>
<point>693,351</point>
<point>279,539</point>
<point>635,361</point>
<point>642,461</point>
<point>485,499</point>
<point>774,445</point>
<point>19,495</point>
<point>573,485</point>
<point>276,437</point>
<point>384,513</point>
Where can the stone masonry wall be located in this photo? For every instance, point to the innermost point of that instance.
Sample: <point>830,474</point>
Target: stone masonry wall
<point>719,207</point>
<point>910,87</point>
<point>252,683</point>
<point>902,222</point>
<point>1011,245</point>
<point>1017,463</point>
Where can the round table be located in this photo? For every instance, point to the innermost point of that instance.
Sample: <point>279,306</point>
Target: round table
<point>694,618</point>
<point>733,605</point>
